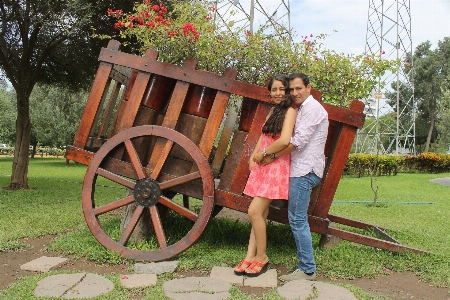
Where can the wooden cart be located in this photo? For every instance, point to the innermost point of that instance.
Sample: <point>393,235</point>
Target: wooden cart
<point>159,130</point>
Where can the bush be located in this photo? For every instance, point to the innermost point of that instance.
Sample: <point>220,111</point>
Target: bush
<point>360,165</point>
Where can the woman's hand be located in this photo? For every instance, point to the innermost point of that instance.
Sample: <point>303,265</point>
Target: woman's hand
<point>250,164</point>
<point>258,157</point>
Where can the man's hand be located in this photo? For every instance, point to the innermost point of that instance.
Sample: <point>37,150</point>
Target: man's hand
<point>266,160</point>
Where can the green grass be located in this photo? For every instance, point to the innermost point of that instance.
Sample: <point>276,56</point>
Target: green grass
<point>53,206</point>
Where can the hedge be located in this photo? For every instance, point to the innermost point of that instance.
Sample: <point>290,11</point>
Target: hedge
<point>360,165</point>
<point>40,151</point>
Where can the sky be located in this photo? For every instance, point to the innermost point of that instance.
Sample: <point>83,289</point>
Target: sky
<point>345,21</point>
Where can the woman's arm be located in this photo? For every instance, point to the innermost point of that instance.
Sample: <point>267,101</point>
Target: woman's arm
<point>251,159</point>
<point>285,136</point>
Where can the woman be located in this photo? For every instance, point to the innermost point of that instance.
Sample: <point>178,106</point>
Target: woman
<point>269,182</point>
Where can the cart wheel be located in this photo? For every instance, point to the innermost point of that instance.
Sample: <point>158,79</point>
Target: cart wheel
<point>147,193</point>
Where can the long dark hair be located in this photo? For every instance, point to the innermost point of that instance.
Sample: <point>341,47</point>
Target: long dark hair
<point>274,123</point>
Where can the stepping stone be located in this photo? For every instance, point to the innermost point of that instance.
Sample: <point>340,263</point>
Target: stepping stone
<point>156,268</point>
<point>42,264</point>
<point>226,274</point>
<point>57,285</point>
<point>71,286</point>
<point>265,280</point>
<point>197,288</point>
<point>304,289</point>
<point>92,285</point>
<point>138,280</point>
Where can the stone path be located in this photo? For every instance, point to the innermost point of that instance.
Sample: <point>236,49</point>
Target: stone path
<point>443,181</point>
<point>214,287</point>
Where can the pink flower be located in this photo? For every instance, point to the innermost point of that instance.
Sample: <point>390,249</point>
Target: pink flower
<point>316,58</point>
<point>311,35</point>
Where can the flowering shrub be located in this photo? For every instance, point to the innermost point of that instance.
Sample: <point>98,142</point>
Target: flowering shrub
<point>429,162</point>
<point>359,165</point>
<point>185,31</point>
<point>188,30</point>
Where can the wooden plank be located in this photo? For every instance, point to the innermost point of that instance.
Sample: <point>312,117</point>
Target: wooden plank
<point>95,96</point>
<point>371,241</point>
<point>215,117</point>
<point>100,106</point>
<point>134,102</point>
<point>170,119</point>
<point>109,110</point>
<point>79,155</point>
<point>173,112</point>
<point>198,77</point>
<point>217,82</point>
<point>92,105</point>
<point>232,160</point>
<point>241,173</point>
<point>225,137</point>
<point>241,203</point>
<point>333,176</point>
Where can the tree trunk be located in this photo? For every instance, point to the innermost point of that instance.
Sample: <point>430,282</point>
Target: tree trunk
<point>19,175</point>
<point>143,226</point>
<point>432,121</point>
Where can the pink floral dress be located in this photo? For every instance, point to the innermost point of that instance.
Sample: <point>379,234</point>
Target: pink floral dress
<point>270,181</point>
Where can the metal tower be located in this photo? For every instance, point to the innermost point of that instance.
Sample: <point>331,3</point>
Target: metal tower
<point>252,14</point>
<point>393,107</point>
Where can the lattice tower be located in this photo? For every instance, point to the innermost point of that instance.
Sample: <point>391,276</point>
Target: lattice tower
<point>252,14</point>
<point>389,35</point>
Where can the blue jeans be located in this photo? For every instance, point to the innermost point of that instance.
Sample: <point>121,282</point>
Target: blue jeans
<point>299,194</point>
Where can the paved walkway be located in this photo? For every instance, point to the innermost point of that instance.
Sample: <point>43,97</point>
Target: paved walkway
<point>214,287</point>
<point>443,181</point>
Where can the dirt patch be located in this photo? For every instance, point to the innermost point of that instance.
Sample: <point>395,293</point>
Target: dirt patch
<point>404,285</point>
<point>11,261</point>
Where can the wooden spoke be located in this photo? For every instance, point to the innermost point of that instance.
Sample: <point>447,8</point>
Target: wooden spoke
<point>133,174</point>
<point>157,226</point>
<point>178,208</point>
<point>134,159</point>
<point>179,180</point>
<point>113,205</point>
<point>131,225</point>
<point>162,159</point>
<point>116,178</point>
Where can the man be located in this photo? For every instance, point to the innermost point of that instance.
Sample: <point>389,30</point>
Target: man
<point>307,164</point>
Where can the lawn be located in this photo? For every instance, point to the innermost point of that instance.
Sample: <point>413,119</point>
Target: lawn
<point>416,211</point>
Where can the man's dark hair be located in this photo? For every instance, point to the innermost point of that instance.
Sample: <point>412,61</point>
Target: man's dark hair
<point>302,76</point>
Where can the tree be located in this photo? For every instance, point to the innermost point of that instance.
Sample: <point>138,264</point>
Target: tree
<point>55,112</point>
<point>42,41</point>
<point>8,113</point>
<point>443,123</point>
<point>431,68</point>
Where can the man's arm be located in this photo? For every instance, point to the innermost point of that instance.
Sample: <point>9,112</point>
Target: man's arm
<point>284,139</point>
<point>267,160</point>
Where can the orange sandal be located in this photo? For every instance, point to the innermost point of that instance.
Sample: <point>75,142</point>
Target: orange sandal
<point>255,272</point>
<point>240,269</point>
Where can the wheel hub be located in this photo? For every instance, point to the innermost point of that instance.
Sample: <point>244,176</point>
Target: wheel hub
<point>146,192</point>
